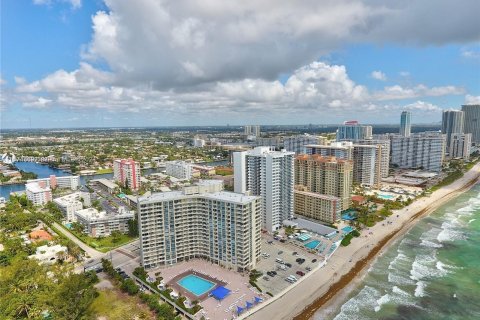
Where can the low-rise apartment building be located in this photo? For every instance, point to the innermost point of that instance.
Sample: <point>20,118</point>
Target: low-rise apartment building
<point>101,224</point>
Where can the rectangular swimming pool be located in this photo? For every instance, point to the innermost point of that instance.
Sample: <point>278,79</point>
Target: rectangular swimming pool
<point>312,244</point>
<point>196,284</point>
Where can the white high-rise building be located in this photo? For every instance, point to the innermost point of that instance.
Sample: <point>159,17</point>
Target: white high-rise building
<point>269,174</point>
<point>297,143</point>
<point>201,221</point>
<point>66,182</point>
<point>472,121</point>
<point>383,152</point>
<point>424,150</point>
<point>460,145</point>
<point>179,169</point>
<point>127,170</point>
<point>405,124</point>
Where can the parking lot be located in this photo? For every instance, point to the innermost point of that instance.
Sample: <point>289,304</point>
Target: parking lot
<point>285,252</point>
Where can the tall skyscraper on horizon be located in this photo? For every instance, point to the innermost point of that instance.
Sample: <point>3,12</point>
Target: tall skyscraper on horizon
<point>406,124</point>
<point>452,122</point>
<point>269,174</point>
<point>252,131</point>
<point>472,121</point>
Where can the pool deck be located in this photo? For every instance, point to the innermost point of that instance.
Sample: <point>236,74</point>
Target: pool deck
<point>241,290</point>
<point>184,292</point>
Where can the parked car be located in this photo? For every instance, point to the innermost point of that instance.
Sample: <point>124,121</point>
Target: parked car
<point>295,253</point>
<point>314,260</point>
<point>280,252</point>
<point>300,273</point>
<point>308,269</point>
<point>288,265</point>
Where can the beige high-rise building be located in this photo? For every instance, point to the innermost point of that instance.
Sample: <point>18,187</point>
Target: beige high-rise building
<point>325,175</point>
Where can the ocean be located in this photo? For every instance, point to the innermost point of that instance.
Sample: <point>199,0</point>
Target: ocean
<point>432,272</point>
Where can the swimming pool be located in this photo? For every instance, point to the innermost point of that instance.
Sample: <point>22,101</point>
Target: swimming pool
<point>385,196</point>
<point>312,244</point>
<point>196,284</point>
<point>68,225</point>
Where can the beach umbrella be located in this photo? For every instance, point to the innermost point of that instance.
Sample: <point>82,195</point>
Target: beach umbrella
<point>257,300</point>
<point>239,310</point>
<point>249,305</point>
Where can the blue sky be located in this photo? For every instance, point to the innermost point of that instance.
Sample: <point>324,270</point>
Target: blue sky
<point>89,63</point>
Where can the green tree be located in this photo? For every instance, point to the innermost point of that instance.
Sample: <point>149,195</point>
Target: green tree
<point>73,297</point>
<point>129,287</point>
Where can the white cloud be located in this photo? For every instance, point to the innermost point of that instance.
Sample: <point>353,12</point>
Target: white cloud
<point>152,42</point>
<point>469,99</point>
<point>404,73</point>
<point>74,3</point>
<point>397,92</point>
<point>379,75</point>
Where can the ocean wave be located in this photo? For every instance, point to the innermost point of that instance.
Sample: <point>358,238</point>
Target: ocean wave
<point>399,279</point>
<point>420,289</point>
<point>366,298</point>
<point>400,292</point>
<point>398,259</point>
<point>471,220</point>
<point>450,232</point>
<point>383,300</point>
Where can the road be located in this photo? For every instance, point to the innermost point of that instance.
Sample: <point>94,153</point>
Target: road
<point>90,251</point>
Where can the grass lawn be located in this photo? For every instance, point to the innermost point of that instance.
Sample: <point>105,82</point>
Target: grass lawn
<point>116,305</point>
<point>224,171</point>
<point>102,171</point>
<point>103,244</point>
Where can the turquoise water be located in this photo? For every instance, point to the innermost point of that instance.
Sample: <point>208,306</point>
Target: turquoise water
<point>312,244</point>
<point>385,196</point>
<point>196,284</point>
<point>433,272</point>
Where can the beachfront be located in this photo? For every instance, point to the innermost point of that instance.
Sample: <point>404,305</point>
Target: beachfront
<point>322,285</point>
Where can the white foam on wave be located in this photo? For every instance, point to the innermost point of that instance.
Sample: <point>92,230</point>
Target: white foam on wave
<point>400,292</point>
<point>429,238</point>
<point>383,300</point>
<point>397,260</point>
<point>450,232</point>
<point>420,289</point>
<point>366,298</point>
<point>471,220</point>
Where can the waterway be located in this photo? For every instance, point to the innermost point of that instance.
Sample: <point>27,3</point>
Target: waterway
<point>44,171</point>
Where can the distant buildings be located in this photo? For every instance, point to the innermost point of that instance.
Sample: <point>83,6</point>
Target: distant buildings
<point>179,169</point>
<point>452,122</point>
<point>200,221</point>
<point>460,145</point>
<point>352,130</point>
<point>71,203</point>
<point>252,131</point>
<point>127,173</point>
<point>370,158</point>
<point>326,176</point>
<point>405,124</point>
<point>101,224</point>
<point>297,143</point>
<point>269,174</point>
<point>53,182</point>
<point>8,158</point>
<point>38,192</point>
<point>421,150</point>
<point>472,121</point>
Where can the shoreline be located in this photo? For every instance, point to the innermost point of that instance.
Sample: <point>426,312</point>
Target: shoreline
<point>347,267</point>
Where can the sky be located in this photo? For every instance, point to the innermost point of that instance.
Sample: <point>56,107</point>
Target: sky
<point>79,63</point>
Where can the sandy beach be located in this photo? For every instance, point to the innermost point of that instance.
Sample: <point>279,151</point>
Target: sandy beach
<point>323,287</point>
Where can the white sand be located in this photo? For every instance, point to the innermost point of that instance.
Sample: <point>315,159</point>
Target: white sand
<point>317,283</point>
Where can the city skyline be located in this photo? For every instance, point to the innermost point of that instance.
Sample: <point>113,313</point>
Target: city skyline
<point>269,67</point>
